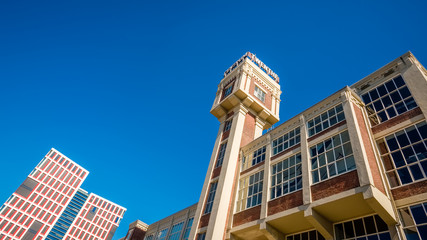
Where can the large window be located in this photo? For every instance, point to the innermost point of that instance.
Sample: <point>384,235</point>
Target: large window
<point>149,237</point>
<point>176,231</point>
<point>211,197</point>
<point>311,235</point>
<point>188,229</point>
<point>250,191</point>
<point>260,94</point>
<point>286,141</point>
<point>331,157</point>
<point>286,176</point>
<point>258,156</point>
<point>221,154</point>
<point>388,100</point>
<point>414,220</point>
<point>367,228</point>
<point>325,120</point>
<point>404,155</point>
<point>162,234</point>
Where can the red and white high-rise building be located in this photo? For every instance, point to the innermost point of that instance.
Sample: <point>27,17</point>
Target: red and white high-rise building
<point>35,207</point>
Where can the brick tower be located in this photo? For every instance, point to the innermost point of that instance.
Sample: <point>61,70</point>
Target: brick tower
<point>246,103</point>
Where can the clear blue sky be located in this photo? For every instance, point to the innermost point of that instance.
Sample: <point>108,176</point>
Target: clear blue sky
<point>124,88</point>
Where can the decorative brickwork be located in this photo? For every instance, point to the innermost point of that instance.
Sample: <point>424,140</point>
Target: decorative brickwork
<point>285,202</point>
<point>396,120</point>
<point>326,131</point>
<point>246,216</point>
<point>376,174</point>
<point>225,135</point>
<point>335,185</point>
<point>409,190</point>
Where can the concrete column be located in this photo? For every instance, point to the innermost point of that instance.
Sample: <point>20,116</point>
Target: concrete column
<point>218,217</point>
<point>322,225</point>
<point>270,232</point>
<point>267,179</point>
<point>259,127</point>
<point>417,83</point>
<point>305,163</point>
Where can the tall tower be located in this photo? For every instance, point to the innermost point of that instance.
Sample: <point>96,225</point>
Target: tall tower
<point>246,103</point>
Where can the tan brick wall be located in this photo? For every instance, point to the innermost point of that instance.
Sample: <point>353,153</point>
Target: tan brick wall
<point>375,171</point>
<point>409,190</point>
<point>246,216</point>
<point>285,202</point>
<point>335,185</point>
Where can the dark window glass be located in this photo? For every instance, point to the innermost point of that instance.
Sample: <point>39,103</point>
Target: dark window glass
<point>370,225</point>
<point>358,226</point>
<point>419,214</point>
<point>366,98</point>
<point>404,175</point>
<point>399,81</point>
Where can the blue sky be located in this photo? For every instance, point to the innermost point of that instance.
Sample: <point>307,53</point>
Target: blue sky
<point>124,88</point>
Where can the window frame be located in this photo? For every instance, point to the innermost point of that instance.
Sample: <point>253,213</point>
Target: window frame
<point>211,197</point>
<point>278,171</point>
<point>248,190</point>
<point>321,122</point>
<point>259,93</point>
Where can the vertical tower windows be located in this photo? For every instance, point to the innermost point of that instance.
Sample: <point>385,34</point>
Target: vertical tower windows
<point>211,197</point>
<point>221,154</point>
<point>227,125</point>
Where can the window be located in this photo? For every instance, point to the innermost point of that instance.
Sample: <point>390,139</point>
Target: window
<point>149,237</point>
<point>221,154</point>
<point>325,120</point>
<point>404,155</point>
<point>228,91</point>
<point>188,229</point>
<point>227,125</point>
<point>162,234</point>
<point>286,141</point>
<point>259,93</point>
<point>250,191</point>
<point>388,100</point>
<point>332,157</point>
<point>211,197</point>
<point>258,156</point>
<point>372,227</point>
<point>414,220</point>
<point>201,236</point>
<point>286,176</point>
<point>311,235</point>
<point>176,231</point>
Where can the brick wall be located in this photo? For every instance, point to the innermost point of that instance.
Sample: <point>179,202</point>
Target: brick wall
<point>409,190</point>
<point>248,129</point>
<point>216,172</point>
<point>376,174</point>
<point>246,216</point>
<point>285,202</point>
<point>335,185</point>
<point>204,220</point>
